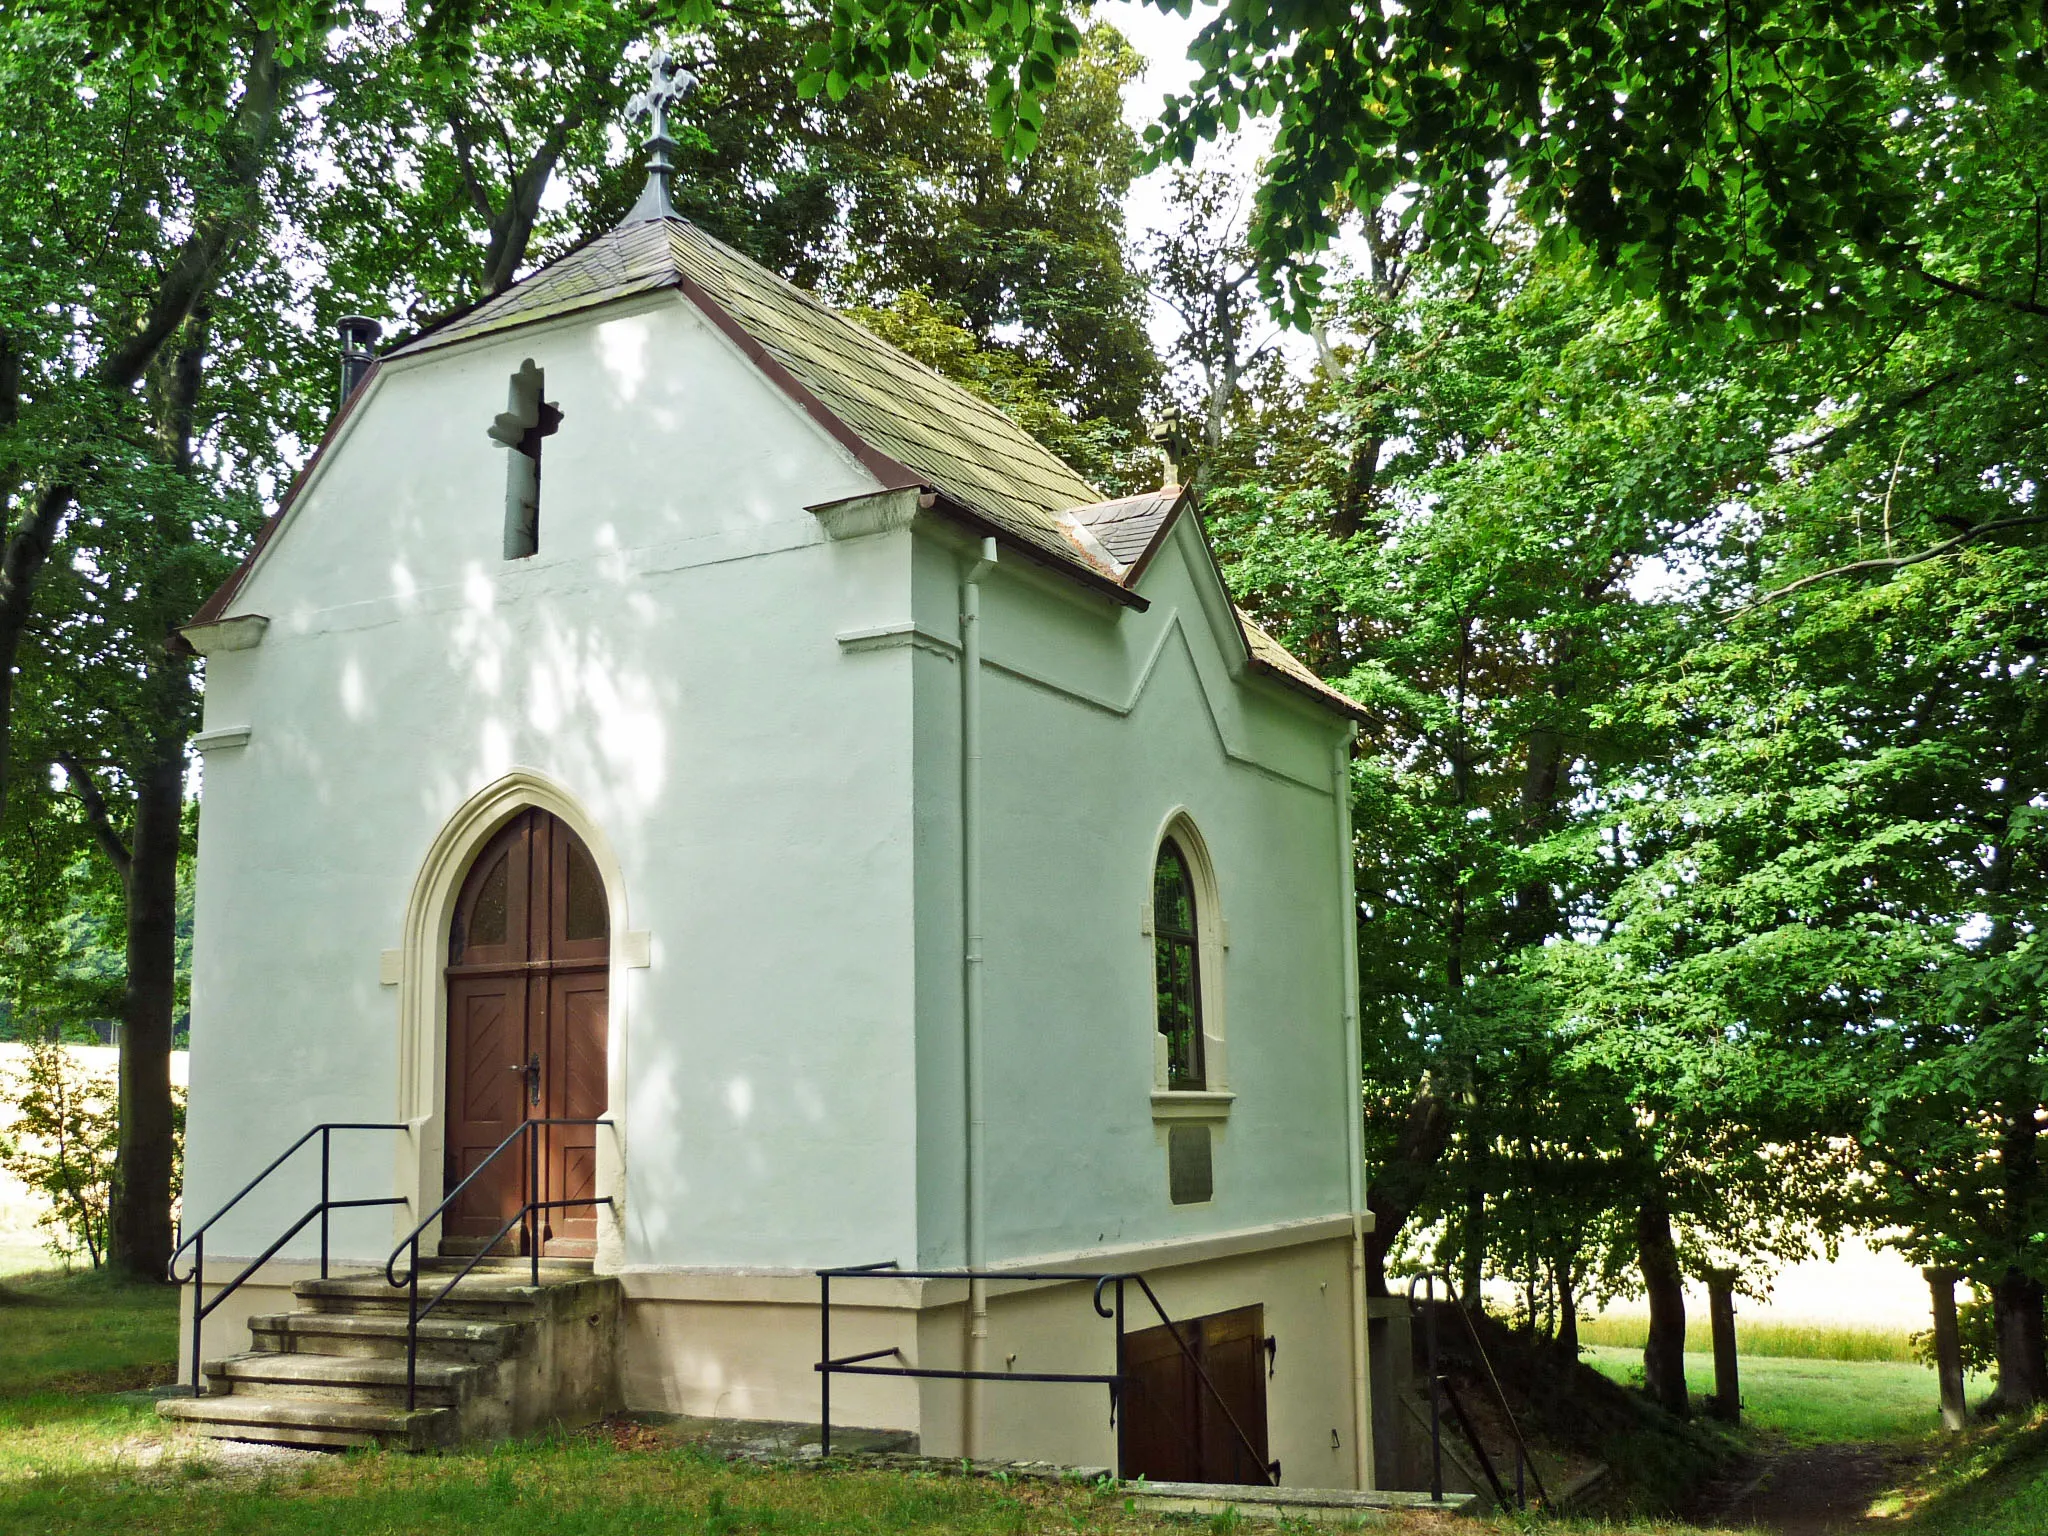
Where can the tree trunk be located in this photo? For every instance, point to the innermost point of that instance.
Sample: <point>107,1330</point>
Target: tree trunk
<point>2016,1296</point>
<point>29,545</point>
<point>2022,1360</point>
<point>141,1216</point>
<point>1567,1312</point>
<point>1664,1354</point>
<point>1394,1193</point>
<point>1472,1267</point>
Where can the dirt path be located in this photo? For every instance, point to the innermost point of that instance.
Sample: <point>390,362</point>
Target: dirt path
<point>1810,1490</point>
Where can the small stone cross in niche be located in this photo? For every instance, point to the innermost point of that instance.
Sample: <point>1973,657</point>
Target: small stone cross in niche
<point>521,426</point>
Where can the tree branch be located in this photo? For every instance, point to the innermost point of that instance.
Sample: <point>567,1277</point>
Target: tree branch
<point>87,792</point>
<point>21,563</point>
<point>193,270</point>
<point>465,161</point>
<point>1971,291</point>
<point>512,230</point>
<point>1875,413</point>
<point>1858,567</point>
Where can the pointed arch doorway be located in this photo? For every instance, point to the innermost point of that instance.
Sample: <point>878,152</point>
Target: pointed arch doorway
<point>528,973</point>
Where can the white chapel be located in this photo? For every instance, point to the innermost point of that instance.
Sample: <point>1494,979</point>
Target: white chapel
<point>693,798</point>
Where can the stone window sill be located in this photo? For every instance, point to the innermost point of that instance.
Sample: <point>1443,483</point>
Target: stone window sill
<point>1188,1104</point>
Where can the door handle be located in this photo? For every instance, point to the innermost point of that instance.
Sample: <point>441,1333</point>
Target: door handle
<point>531,1067</point>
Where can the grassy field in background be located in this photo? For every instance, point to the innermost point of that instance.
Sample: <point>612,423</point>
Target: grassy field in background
<point>21,1252</point>
<point>1812,1400</point>
<point>1792,1341</point>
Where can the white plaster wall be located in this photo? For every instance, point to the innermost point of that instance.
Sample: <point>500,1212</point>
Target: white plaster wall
<point>1100,722</point>
<point>669,658</point>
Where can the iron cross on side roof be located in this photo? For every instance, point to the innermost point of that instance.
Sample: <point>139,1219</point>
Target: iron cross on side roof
<point>669,82</point>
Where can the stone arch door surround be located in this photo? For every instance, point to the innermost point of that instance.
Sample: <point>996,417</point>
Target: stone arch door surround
<point>527,973</point>
<point>418,970</point>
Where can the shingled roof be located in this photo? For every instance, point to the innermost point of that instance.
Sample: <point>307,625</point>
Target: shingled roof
<point>925,428</point>
<point>909,425</point>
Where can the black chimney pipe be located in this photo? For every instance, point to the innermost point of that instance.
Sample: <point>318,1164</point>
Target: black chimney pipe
<point>359,336</point>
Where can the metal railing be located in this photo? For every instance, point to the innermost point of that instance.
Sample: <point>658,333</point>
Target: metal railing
<point>1441,1392</point>
<point>527,1217</point>
<point>857,1365</point>
<point>196,1239</point>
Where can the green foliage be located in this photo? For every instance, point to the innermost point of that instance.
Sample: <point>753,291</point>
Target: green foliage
<point>1764,160</point>
<point>1977,1332</point>
<point>936,335</point>
<point>1698,824</point>
<point>864,196</point>
<point>61,1145</point>
<point>63,964</point>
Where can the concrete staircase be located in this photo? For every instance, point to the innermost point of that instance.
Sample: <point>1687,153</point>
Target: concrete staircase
<point>500,1357</point>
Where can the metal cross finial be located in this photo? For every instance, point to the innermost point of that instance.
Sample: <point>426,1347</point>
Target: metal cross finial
<point>668,83</point>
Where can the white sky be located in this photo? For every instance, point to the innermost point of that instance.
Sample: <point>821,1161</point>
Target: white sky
<point>1163,39</point>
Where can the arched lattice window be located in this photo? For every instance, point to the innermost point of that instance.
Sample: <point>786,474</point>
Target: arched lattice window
<point>1177,966</point>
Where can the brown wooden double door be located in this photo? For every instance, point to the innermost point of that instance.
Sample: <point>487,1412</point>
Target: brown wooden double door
<point>529,955</point>
<point>1172,1428</point>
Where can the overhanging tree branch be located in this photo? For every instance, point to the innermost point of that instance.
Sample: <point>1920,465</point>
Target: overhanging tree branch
<point>2031,306</point>
<point>1900,562</point>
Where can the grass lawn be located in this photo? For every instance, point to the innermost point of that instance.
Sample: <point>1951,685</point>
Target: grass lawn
<point>1994,1484</point>
<point>81,1452</point>
<point>1813,1400</point>
<point>83,1332</point>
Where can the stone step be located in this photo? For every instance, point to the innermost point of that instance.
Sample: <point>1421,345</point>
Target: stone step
<point>1312,1506</point>
<point>291,1421</point>
<point>482,1296</point>
<point>382,1334</point>
<point>364,1379</point>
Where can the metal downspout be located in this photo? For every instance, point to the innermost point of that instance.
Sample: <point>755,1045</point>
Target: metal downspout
<point>1361,1412</point>
<point>970,979</point>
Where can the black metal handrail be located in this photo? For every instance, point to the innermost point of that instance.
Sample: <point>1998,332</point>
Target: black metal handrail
<point>1440,1392</point>
<point>196,1239</point>
<point>855,1365</point>
<point>526,1215</point>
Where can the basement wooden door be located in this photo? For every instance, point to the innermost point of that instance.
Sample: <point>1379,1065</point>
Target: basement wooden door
<point>529,956</point>
<point>1172,1428</point>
